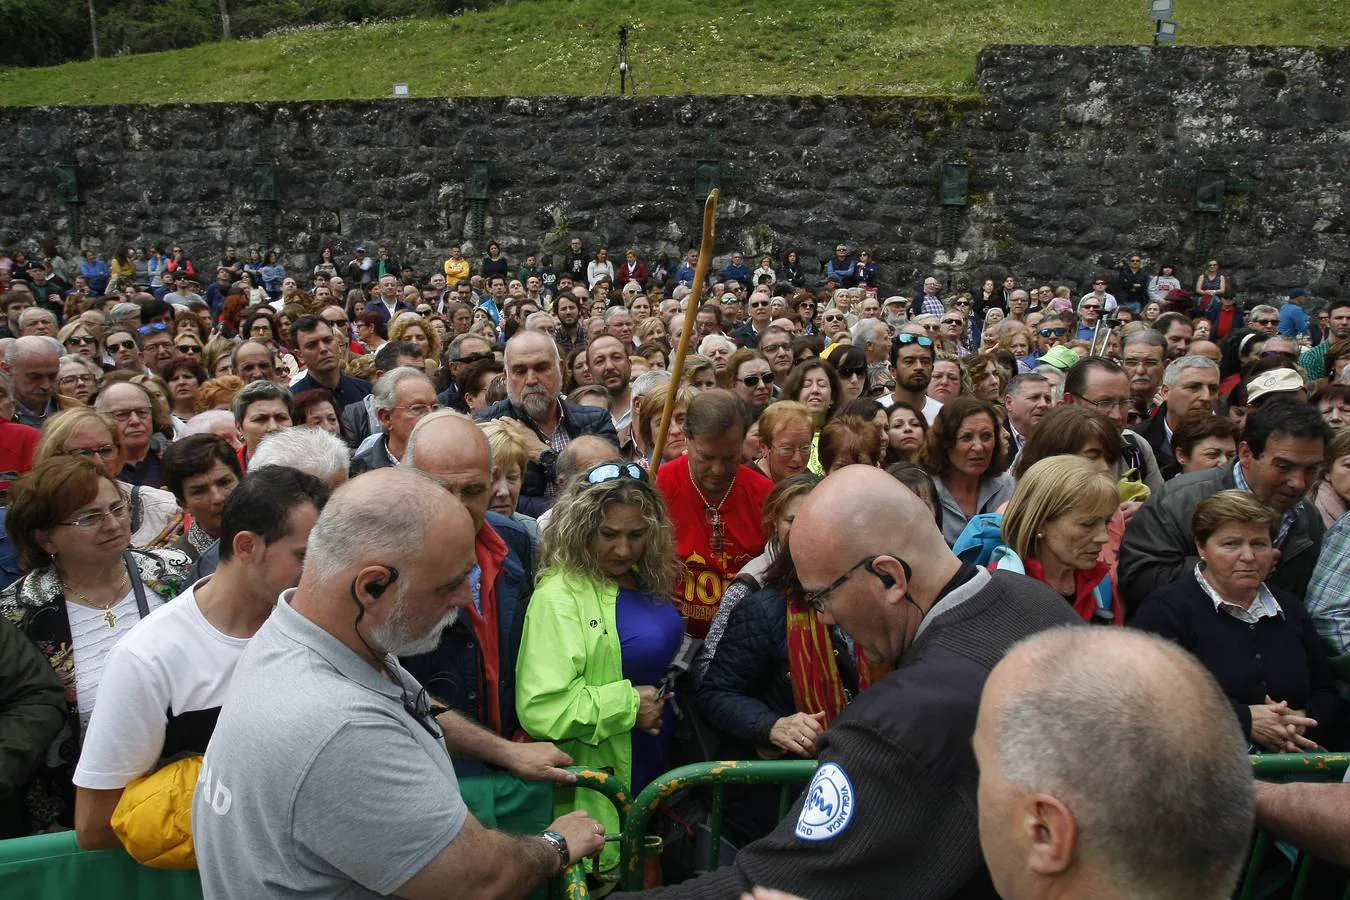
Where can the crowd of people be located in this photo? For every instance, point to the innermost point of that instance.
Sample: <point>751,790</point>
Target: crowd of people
<point>572,560</point>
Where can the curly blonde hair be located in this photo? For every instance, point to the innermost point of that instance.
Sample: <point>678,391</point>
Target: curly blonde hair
<point>577,517</point>
<point>404,321</point>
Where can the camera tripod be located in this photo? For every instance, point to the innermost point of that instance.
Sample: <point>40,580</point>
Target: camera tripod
<point>622,66</point>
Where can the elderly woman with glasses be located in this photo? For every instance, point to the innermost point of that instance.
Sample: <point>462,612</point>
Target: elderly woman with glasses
<point>156,520</point>
<point>600,634</point>
<point>77,380</point>
<point>70,522</point>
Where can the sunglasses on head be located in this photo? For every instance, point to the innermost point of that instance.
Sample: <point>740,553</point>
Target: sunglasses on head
<point>907,338</point>
<point>754,380</point>
<point>1057,332</point>
<point>613,471</point>
<point>153,328</point>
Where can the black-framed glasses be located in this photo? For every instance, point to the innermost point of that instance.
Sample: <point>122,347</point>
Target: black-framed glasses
<point>613,471</point>
<point>121,345</point>
<point>957,322</point>
<point>82,378</point>
<point>1056,332</point>
<point>833,318</point>
<point>105,452</point>
<point>774,348</point>
<point>84,340</point>
<point>907,338</point>
<point>153,328</point>
<point>817,599</point>
<point>1108,404</point>
<point>188,348</point>
<point>337,323</point>
<point>852,371</point>
<point>754,380</point>
<point>475,357</point>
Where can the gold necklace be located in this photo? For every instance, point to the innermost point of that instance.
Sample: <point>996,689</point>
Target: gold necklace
<point>109,617</point>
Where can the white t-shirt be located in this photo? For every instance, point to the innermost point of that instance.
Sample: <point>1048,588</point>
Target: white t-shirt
<point>173,664</point>
<point>92,640</point>
<point>931,407</point>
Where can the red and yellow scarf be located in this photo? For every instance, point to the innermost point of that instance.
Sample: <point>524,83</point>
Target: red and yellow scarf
<point>816,684</point>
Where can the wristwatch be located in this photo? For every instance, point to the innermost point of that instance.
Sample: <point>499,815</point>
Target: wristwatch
<point>558,843</point>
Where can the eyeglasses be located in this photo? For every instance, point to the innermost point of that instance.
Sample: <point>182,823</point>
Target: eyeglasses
<point>852,372</point>
<point>961,303</point>
<point>786,452</point>
<point>420,409</point>
<point>188,348</point>
<point>907,338</point>
<point>817,599</point>
<point>1090,306</point>
<point>754,380</point>
<point>1056,332</point>
<point>1096,283</point>
<point>122,345</point>
<point>107,451</point>
<point>153,328</point>
<point>337,323</point>
<point>84,340</point>
<point>474,357</point>
<point>957,322</point>
<point>775,348</point>
<point>613,471</point>
<point>759,305</point>
<point>1129,363</point>
<point>124,415</point>
<point>90,519</point>
<point>1265,321</point>
<point>1107,404</point>
<point>834,318</point>
<point>86,378</point>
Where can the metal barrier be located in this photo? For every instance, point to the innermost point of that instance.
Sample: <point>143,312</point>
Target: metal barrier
<point>635,847</point>
<point>1290,767</point>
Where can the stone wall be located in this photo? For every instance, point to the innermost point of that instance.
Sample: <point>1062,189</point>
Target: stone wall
<point>1069,159</point>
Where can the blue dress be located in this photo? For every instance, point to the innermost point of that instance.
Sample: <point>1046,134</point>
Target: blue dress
<point>650,630</point>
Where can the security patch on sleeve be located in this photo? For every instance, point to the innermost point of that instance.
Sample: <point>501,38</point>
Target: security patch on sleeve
<point>828,807</point>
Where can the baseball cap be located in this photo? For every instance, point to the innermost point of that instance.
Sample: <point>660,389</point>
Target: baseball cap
<point>360,248</point>
<point>1298,292</point>
<point>1061,358</point>
<point>1275,381</point>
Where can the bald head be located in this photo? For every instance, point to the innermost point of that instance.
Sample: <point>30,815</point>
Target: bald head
<point>581,454</point>
<point>861,512</point>
<point>1207,349</point>
<point>1059,704</point>
<point>450,448</point>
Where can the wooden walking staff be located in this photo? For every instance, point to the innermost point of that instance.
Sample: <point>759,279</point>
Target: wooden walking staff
<point>705,252</point>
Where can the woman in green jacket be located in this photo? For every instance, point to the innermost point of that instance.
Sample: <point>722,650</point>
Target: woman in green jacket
<point>600,634</point>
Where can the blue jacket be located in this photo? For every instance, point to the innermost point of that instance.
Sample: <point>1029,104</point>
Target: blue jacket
<point>454,672</point>
<point>746,688</point>
<point>843,271</point>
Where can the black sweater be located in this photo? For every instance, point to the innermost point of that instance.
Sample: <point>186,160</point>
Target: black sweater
<point>1279,656</point>
<point>904,745</point>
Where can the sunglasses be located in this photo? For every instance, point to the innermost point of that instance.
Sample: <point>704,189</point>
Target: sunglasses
<point>475,357</point>
<point>614,471</point>
<point>122,345</point>
<point>852,372</point>
<point>153,328</point>
<point>953,322</point>
<point>834,318</point>
<point>1057,332</point>
<point>337,323</point>
<point>907,338</point>
<point>83,340</point>
<point>188,348</point>
<point>754,380</point>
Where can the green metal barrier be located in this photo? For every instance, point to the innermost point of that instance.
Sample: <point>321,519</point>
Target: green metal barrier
<point>1290,767</point>
<point>634,846</point>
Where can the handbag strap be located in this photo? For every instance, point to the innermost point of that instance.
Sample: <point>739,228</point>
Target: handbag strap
<point>135,508</point>
<point>137,585</point>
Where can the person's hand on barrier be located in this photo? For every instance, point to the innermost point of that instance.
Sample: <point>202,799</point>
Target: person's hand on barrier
<point>796,734</point>
<point>585,836</point>
<point>538,762</point>
<point>651,704</point>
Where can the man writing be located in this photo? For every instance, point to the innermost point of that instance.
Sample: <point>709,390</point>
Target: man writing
<point>891,809</point>
<point>163,686</point>
<point>277,786</point>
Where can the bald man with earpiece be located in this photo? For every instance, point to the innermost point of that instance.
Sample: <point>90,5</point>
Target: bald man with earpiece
<point>891,811</point>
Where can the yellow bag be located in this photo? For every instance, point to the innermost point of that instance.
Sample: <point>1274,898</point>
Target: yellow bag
<point>1130,488</point>
<point>153,820</point>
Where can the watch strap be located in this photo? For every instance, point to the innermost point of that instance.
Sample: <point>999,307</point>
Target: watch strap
<point>559,843</point>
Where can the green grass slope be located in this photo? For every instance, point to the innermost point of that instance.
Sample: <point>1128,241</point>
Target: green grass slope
<point>539,47</point>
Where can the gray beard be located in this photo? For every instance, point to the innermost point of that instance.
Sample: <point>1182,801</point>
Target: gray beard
<point>537,404</point>
<point>393,637</point>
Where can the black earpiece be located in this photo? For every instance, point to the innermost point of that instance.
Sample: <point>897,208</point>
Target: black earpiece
<point>887,581</point>
<point>378,588</point>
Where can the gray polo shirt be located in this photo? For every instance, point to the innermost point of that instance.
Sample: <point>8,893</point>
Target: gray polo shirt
<point>317,781</point>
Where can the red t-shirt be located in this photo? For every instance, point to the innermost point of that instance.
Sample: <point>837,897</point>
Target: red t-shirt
<point>17,443</point>
<point>1225,323</point>
<point>708,572</point>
